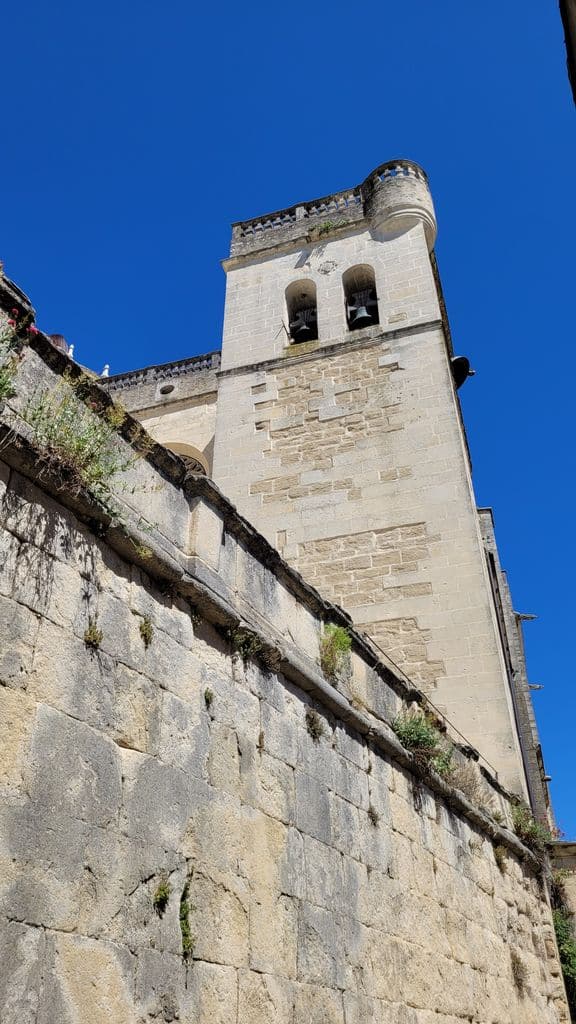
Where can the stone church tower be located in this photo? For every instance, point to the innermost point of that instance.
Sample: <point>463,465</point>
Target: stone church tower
<point>333,423</point>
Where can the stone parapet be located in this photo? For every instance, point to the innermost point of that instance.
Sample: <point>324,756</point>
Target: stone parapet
<point>161,385</point>
<point>393,195</point>
<point>163,371</point>
<point>396,195</point>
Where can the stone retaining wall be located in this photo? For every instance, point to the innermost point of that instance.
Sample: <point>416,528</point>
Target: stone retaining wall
<point>313,871</point>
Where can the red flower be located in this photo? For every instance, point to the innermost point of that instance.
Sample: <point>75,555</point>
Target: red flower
<point>33,330</point>
<point>15,312</point>
<point>12,323</point>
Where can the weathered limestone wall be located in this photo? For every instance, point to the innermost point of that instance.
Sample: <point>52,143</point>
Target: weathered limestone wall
<point>349,455</point>
<point>116,775</point>
<point>325,881</point>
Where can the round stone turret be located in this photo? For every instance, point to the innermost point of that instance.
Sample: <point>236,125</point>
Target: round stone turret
<point>396,196</point>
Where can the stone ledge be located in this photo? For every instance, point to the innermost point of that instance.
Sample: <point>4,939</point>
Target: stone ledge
<point>376,336</point>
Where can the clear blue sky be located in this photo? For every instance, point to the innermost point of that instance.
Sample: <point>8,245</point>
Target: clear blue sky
<point>134,133</point>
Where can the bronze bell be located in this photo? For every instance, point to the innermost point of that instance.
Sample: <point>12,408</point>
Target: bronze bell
<point>362,309</point>
<point>300,330</point>
<point>303,328</point>
<point>361,317</point>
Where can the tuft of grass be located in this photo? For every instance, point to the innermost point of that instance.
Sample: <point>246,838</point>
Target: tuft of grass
<point>501,858</point>
<point>8,367</point>
<point>557,882</point>
<point>77,438</point>
<point>418,734</point>
<point>161,897</point>
<point>335,644</point>
<point>442,763</point>
<point>532,833</point>
<point>146,631</point>
<point>184,917</point>
<point>7,373</point>
<point>208,698</point>
<point>519,972</point>
<point>566,939</point>
<point>92,635</point>
<point>142,550</point>
<point>373,815</point>
<point>314,724</point>
<point>8,356</point>
<point>467,779</point>
<point>328,226</point>
<point>245,643</point>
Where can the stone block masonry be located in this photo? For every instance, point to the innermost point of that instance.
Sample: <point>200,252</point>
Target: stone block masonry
<point>358,433</point>
<point>317,878</point>
<point>354,466</point>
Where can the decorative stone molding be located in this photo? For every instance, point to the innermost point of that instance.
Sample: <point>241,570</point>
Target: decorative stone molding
<point>392,197</point>
<point>163,371</point>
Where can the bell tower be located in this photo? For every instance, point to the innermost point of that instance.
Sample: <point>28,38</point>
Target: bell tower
<point>339,436</point>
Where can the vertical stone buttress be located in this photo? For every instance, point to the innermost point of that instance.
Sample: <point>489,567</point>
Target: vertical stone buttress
<point>348,452</point>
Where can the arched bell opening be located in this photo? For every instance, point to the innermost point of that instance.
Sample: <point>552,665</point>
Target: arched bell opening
<point>302,311</point>
<point>361,300</point>
<point>196,461</point>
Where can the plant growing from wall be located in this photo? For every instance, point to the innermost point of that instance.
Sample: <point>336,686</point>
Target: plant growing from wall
<point>373,815</point>
<point>314,724</point>
<point>335,644</point>
<point>532,833</point>
<point>208,698</point>
<point>161,897</point>
<point>146,631</point>
<point>142,550</point>
<point>245,643</point>
<point>501,858</point>
<point>557,882</point>
<point>442,763</point>
<point>467,779</point>
<point>9,358</point>
<point>418,734</point>
<point>328,226</point>
<point>184,917</point>
<point>92,635</point>
<point>7,374</point>
<point>566,939</point>
<point>78,441</point>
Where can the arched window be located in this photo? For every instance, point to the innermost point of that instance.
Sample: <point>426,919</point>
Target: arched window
<point>360,297</point>
<point>196,461</point>
<point>302,311</point>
